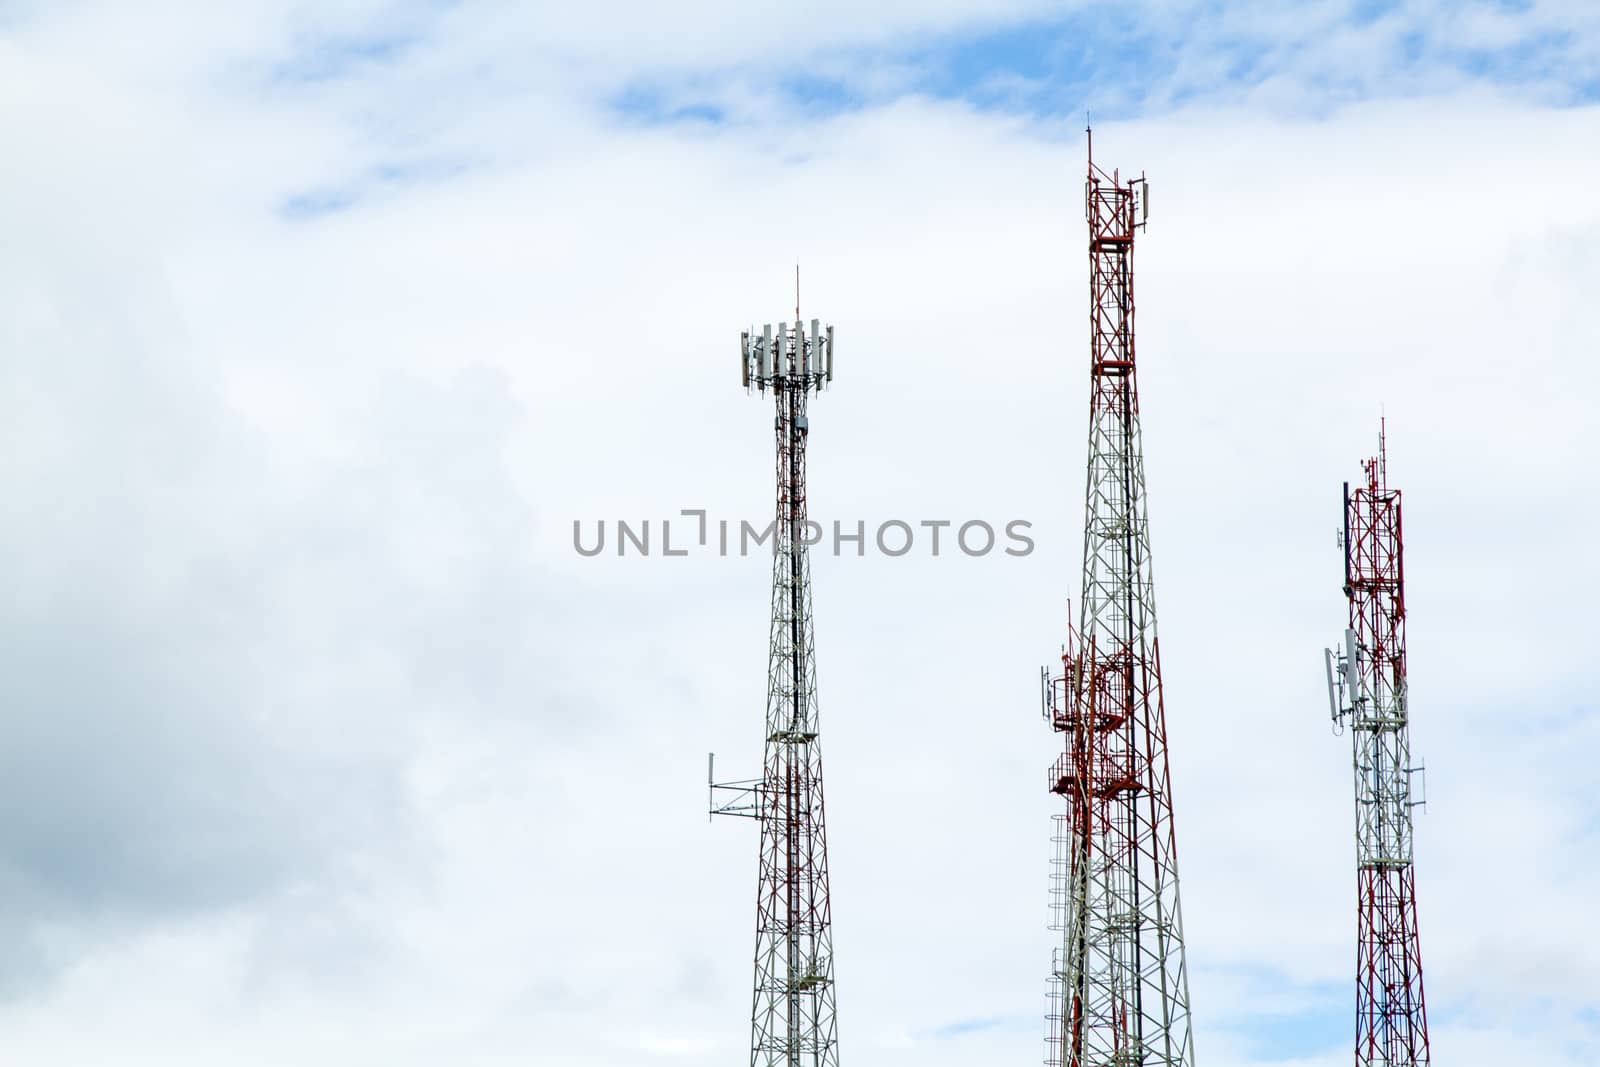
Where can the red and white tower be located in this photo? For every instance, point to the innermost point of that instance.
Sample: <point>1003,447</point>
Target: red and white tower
<point>1119,989</point>
<point>1367,693</point>
<point>793,1021</point>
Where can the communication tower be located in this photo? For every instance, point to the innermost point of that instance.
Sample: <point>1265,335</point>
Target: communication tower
<point>1119,987</point>
<point>1367,693</point>
<point>793,1021</point>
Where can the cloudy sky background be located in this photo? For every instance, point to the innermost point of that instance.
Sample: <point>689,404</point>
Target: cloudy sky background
<point>320,324</point>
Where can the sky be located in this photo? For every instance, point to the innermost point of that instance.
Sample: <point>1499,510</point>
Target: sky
<point>321,325</point>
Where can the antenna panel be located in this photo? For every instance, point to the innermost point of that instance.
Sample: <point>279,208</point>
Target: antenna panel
<point>1333,699</point>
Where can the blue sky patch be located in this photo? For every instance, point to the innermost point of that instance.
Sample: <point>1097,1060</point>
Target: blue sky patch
<point>329,59</point>
<point>384,178</point>
<point>315,203</point>
<point>1303,1034</point>
<point>1119,62</point>
<point>963,1027</point>
<point>653,106</point>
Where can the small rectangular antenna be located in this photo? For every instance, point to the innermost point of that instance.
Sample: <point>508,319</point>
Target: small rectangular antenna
<point>1333,700</point>
<point>830,353</point>
<point>1344,542</point>
<point>744,358</point>
<point>766,353</point>
<point>816,348</point>
<point>780,364</point>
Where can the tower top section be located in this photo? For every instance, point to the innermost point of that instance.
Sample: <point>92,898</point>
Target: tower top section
<point>789,355</point>
<point>1115,206</point>
<point>1377,468</point>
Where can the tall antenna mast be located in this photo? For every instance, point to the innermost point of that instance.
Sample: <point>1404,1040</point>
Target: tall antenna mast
<point>1119,987</point>
<point>793,1020</point>
<point>1367,692</point>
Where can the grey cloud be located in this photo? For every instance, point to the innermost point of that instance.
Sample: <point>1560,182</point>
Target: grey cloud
<point>213,665</point>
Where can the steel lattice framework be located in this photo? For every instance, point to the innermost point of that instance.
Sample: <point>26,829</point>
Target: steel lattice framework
<point>793,1019</point>
<point>1119,990</point>
<point>1368,694</point>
